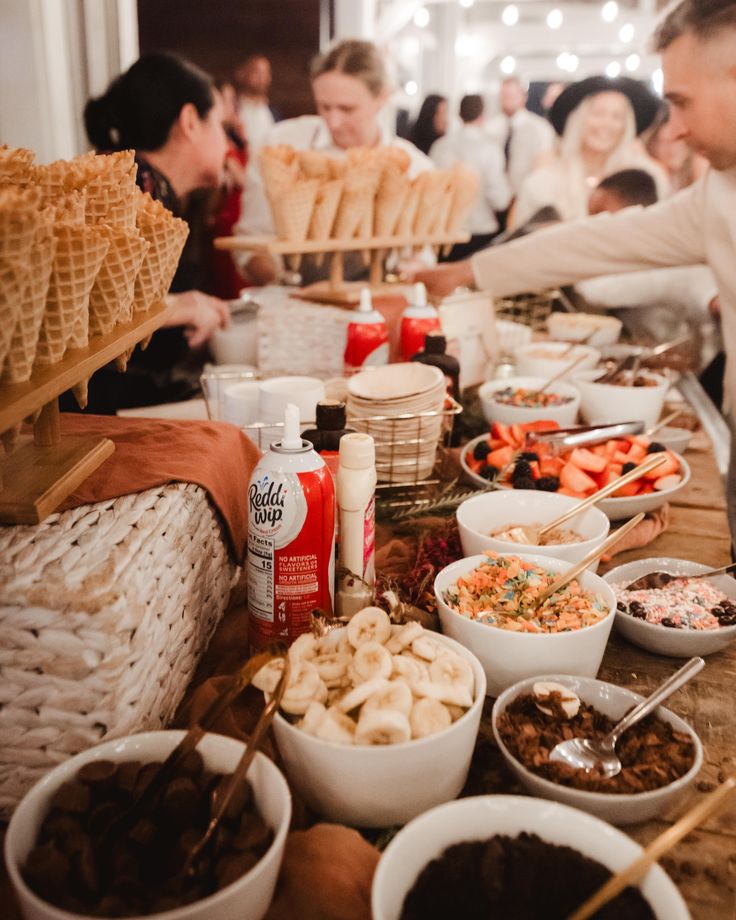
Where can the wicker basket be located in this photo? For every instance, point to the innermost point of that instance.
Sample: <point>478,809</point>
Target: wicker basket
<point>105,611</point>
<point>530,309</point>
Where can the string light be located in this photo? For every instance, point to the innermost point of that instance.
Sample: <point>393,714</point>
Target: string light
<point>508,64</point>
<point>466,4</point>
<point>626,33</point>
<point>510,15</point>
<point>421,17</point>
<point>632,62</point>
<point>411,88</point>
<point>613,69</point>
<point>609,10</point>
<point>554,18</point>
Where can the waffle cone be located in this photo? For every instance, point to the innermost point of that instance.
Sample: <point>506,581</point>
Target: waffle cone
<point>19,360</point>
<point>431,189</point>
<point>78,257</point>
<point>465,186</point>
<point>325,209</point>
<point>81,393</point>
<point>19,219</point>
<point>121,362</point>
<point>277,175</point>
<point>14,277</point>
<point>313,164</point>
<point>442,211</point>
<point>166,235</point>
<point>292,210</point>
<point>111,297</point>
<point>405,225</point>
<point>356,206</point>
<point>16,165</point>
<point>390,200</point>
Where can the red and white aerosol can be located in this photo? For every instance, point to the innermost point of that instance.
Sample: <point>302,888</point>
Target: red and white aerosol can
<point>417,320</point>
<point>291,538</point>
<point>367,341</point>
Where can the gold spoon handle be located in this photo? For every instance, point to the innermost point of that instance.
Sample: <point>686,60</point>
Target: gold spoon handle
<point>712,803</point>
<point>663,424</point>
<point>559,374</point>
<point>594,554</point>
<point>651,463</point>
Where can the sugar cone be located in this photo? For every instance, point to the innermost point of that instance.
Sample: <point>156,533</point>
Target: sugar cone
<point>405,225</point>
<point>111,297</point>
<point>19,361</point>
<point>465,187</point>
<point>390,199</point>
<point>79,254</point>
<point>13,279</point>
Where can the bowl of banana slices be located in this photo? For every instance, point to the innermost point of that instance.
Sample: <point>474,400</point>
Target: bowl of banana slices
<point>378,721</point>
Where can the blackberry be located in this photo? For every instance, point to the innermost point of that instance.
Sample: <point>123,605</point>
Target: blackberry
<point>522,470</point>
<point>548,484</point>
<point>488,471</point>
<point>655,448</point>
<point>669,623</point>
<point>638,610</point>
<point>481,450</point>
<point>524,482</point>
<point>529,455</point>
<point>628,467</point>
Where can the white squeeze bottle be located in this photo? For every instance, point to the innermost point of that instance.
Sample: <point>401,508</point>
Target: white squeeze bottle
<point>356,502</point>
<point>417,320</point>
<point>367,339</point>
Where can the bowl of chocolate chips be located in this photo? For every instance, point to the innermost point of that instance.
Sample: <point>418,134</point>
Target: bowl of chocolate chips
<point>88,841</point>
<point>513,857</point>
<point>660,756</point>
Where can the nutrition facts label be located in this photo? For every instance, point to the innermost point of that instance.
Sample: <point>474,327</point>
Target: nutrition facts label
<point>260,577</point>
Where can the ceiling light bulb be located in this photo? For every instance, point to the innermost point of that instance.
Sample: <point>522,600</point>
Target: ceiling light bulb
<point>411,88</point>
<point>508,64</point>
<point>613,69</point>
<point>421,17</point>
<point>572,63</point>
<point>554,18</point>
<point>609,10</point>
<point>466,4</point>
<point>632,62</point>
<point>626,32</point>
<point>510,15</point>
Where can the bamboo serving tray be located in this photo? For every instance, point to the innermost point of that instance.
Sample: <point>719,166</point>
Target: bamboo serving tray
<point>38,475</point>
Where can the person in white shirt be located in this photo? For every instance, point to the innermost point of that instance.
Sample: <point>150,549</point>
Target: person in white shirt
<point>253,82</point>
<point>521,134</point>
<point>470,145</point>
<point>351,88</point>
<point>697,41</point>
<point>598,120</point>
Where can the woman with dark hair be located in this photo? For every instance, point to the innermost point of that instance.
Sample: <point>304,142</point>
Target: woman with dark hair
<point>169,113</point>
<point>431,122</point>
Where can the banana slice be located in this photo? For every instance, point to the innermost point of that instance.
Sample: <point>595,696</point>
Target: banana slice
<point>312,718</point>
<point>455,711</point>
<point>426,648</point>
<point>304,646</point>
<point>382,726</point>
<point>269,675</point>
<point>336,727</point>
<point>428,717</point>
<point>358,695</point>
<point>404,636</point>
<point>410,668</point>
<point>369,625</point>
<point>445,693</point>
<point>569,700</point>
<point>450,668</point>
<point>297,705</point>
<point>371,660</point>
<point>396,696</point>
<point>332,667</point>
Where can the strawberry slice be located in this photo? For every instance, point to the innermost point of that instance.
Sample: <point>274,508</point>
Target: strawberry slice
<point>575,479</point>
<point>587,460</point>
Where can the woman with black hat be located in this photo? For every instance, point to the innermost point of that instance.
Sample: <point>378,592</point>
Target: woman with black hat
<point>598,120</point>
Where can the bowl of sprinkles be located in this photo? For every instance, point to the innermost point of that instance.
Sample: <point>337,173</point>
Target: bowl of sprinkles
<point>515,400</point>
<point>488,603</point>
<point>688,616</point>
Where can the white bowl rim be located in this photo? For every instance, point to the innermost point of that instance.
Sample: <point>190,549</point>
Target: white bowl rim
<point>661,562</point>
<point>583,375</point>
<point>375,750</point>
<point>500,383</point>
<point>684,470</point>
<point>432,374</point>
<point>512,802</point>
<point>83,757</point>
<point>541,561</point>
<point>555,345</point>
<point>505,697</point>
<point>604,521</point>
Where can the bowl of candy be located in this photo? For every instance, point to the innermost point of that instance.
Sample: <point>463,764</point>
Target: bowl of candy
<point>378,722</point>
<point>627,396</point>
<point>477,857</point>
<point>66,859</point>
<point>547,359</point>
<point>489,604</point>
<point>506,521</point>
<point>597,329</point>
<point>661,755</point>
<point>515,400</point>
<point>681,617</point>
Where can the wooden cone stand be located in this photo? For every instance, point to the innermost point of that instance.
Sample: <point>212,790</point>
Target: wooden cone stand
<point>38,475</point>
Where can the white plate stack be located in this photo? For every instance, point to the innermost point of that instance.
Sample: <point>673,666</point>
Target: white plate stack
<point>401,406</point>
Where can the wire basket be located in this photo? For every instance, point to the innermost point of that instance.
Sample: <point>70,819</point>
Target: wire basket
<point>409,447</point>
<point>530,309</point>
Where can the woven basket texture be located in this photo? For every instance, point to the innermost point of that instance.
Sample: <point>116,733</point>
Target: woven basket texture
<point>105,611</point>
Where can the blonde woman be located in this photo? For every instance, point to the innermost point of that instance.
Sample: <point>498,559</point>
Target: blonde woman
<point>351,88</point>
<point>598,121</point>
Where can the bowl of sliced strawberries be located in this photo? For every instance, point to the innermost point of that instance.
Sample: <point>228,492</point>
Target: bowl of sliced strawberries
<point>503,458</point>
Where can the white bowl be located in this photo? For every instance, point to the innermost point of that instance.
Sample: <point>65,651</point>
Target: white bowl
<point>238,344</point>
<point>677,439</point>
<point>675,643</point>
<point>241,402</point>
<point>510,336</point>
<point>247,899</point>
<point>478,516</point>
<point>617,403</point>
<point>602,329</point>
<point>507,656</point>
<point>619,509</point>
<point>481,817</point>
<point>394,382</point>
<point>377,786</point>
<point>613,702</point>
<point>278,392</point>
<point>510,415</point>
<point>544,359</point>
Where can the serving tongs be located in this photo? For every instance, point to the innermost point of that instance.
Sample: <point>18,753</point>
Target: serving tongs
<point>634,360</point>
<point>585,435</point>
<point>226,789</point>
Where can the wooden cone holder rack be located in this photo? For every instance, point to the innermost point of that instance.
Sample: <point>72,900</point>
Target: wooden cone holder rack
<point>43,469</point>
<point>336,290</point>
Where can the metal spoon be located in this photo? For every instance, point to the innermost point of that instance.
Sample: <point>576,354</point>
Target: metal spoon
<point>559,375</point>
<point>588,754</point>
<point>660,579</point>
